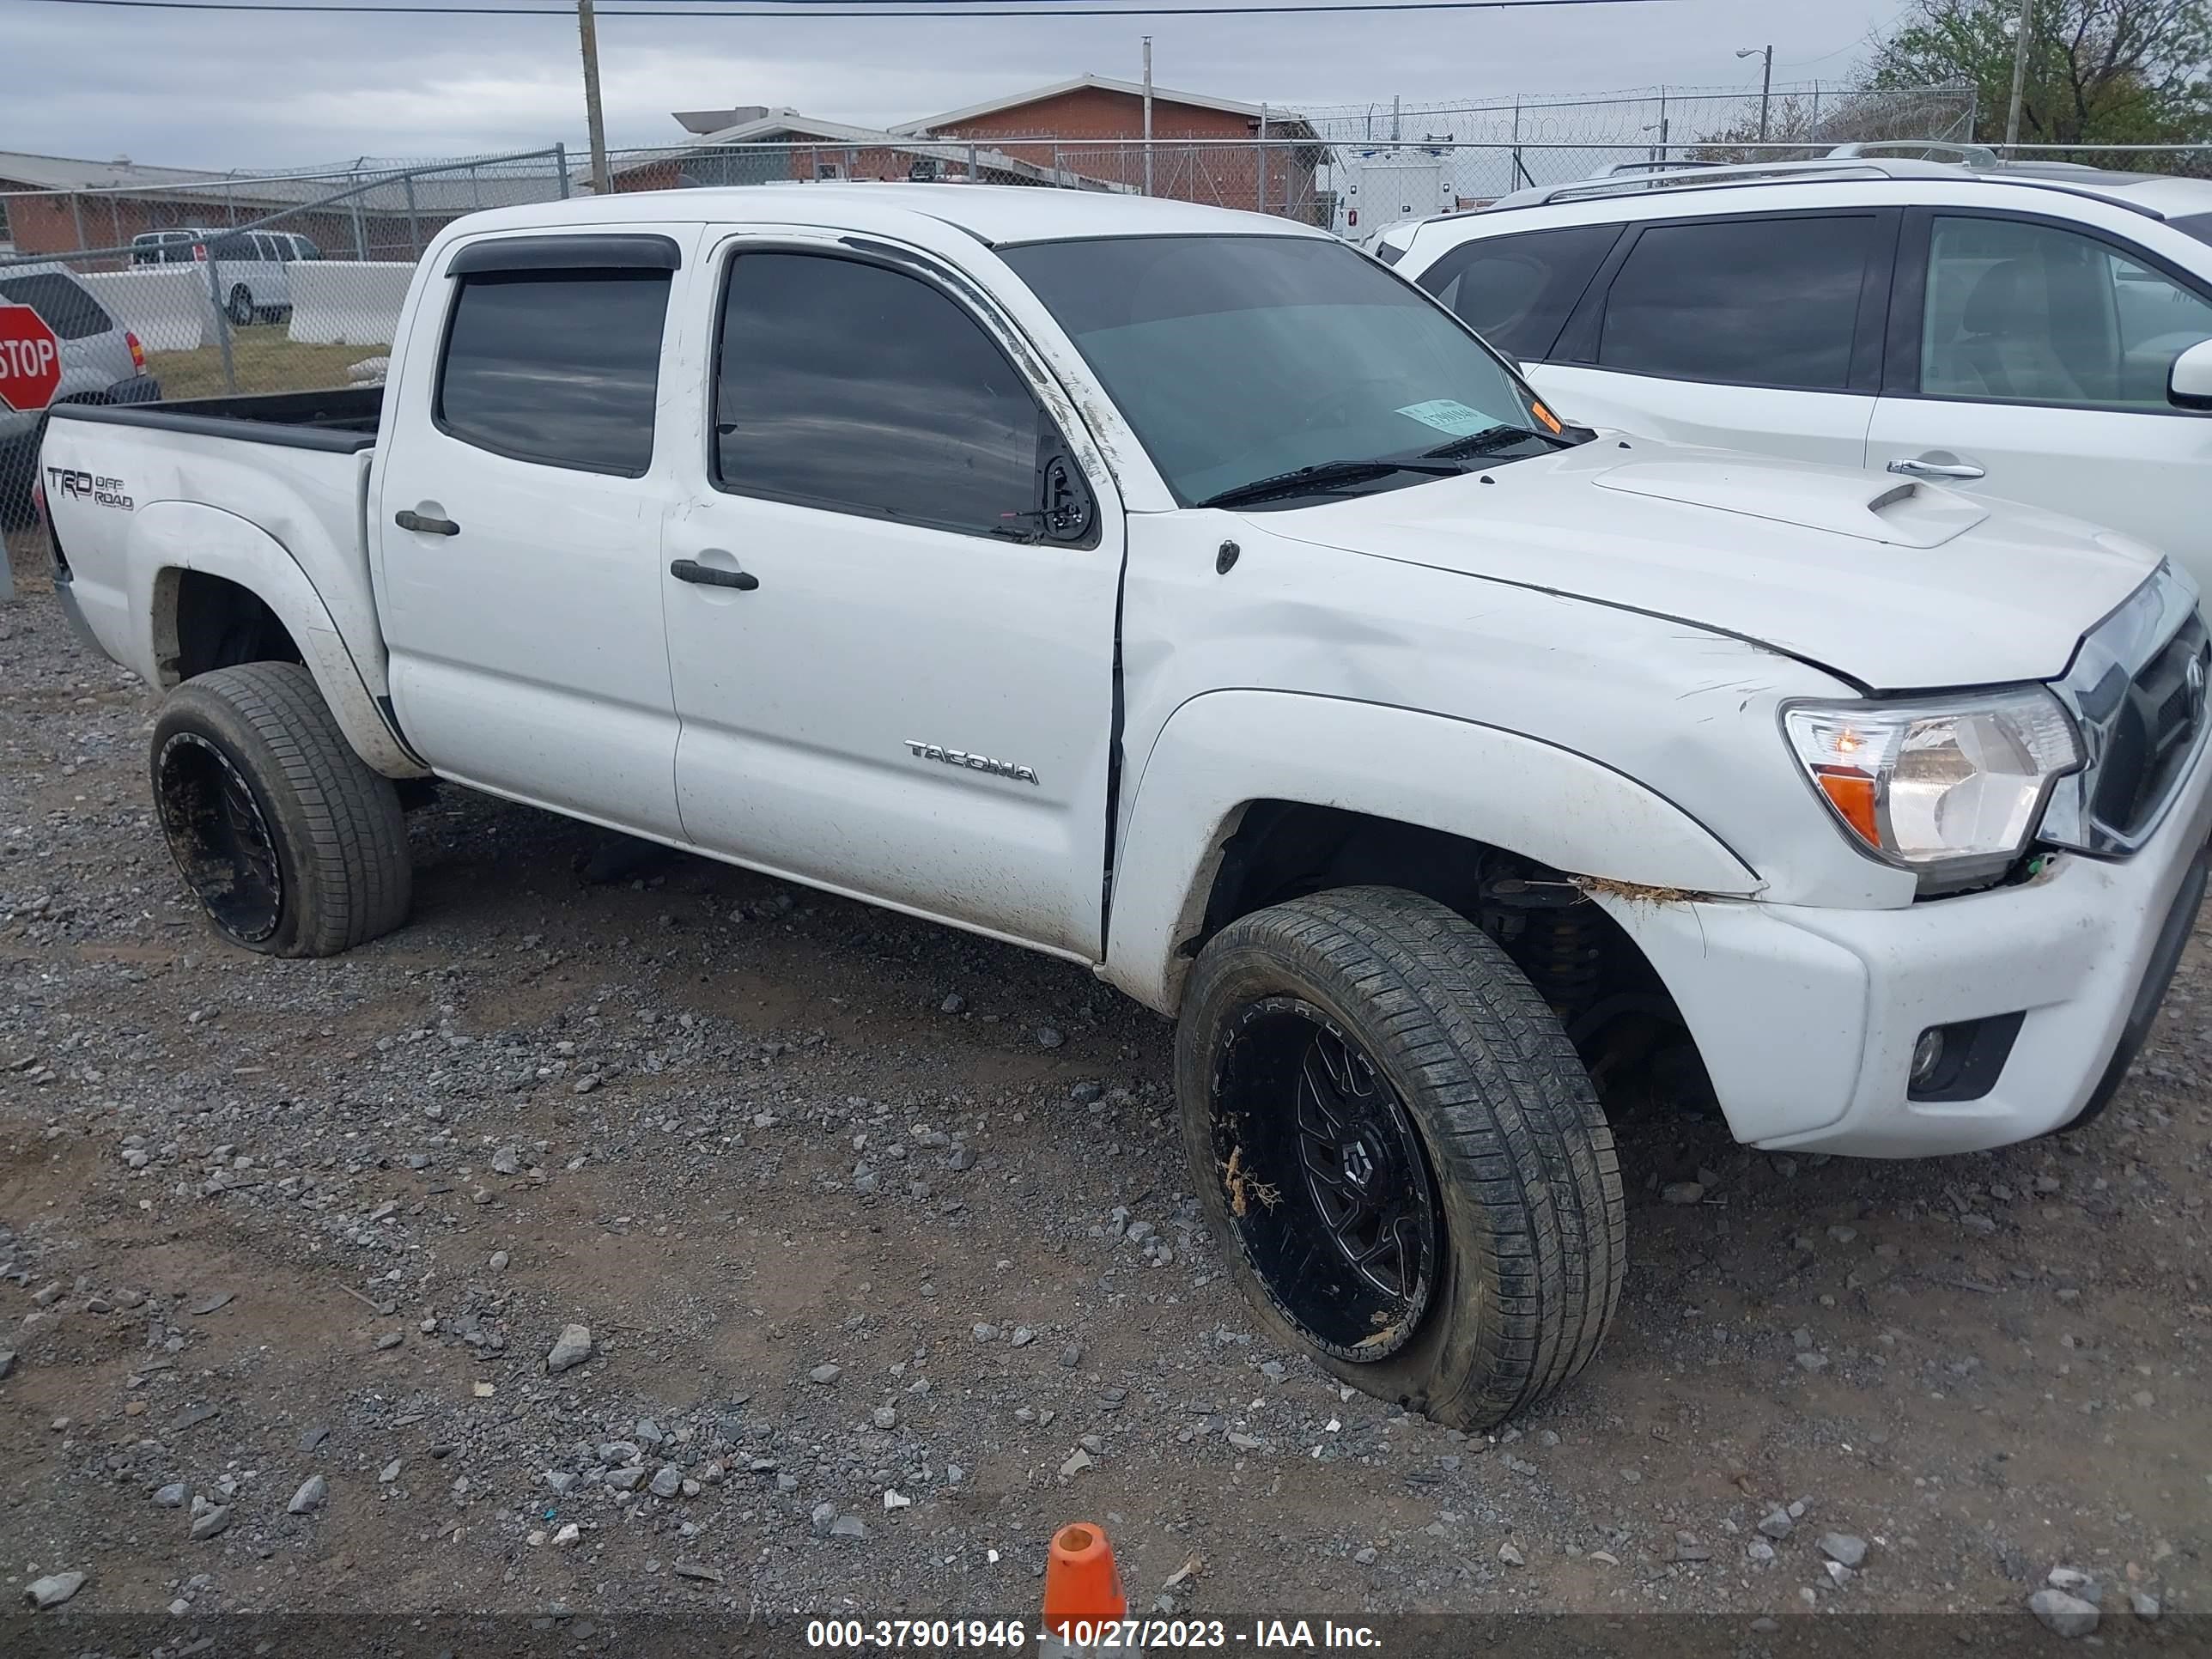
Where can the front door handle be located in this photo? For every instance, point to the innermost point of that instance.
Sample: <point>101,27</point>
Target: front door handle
<point>690,570</point>
<point>1956,471</point>
<point>407,518</point>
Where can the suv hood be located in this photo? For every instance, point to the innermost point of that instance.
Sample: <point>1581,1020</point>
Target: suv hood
<point>1893,583</point>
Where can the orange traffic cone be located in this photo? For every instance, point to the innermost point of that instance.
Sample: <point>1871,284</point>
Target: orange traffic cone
<point>1081,1586</point>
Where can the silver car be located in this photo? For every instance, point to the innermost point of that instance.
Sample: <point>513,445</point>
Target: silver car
<point>102,363</point>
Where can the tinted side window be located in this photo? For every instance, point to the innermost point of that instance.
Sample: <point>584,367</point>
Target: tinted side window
<point>559,366</point>
<point>1761,302</point>
<point>850,386</point>
<point>69,310</point>
<point>1515,291</point>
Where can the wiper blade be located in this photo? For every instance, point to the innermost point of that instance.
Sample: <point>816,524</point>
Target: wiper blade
<point>1490,441</point>
<point>1323,474</point>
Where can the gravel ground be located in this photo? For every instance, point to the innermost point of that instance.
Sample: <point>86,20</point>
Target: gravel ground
<point>877,1240</point>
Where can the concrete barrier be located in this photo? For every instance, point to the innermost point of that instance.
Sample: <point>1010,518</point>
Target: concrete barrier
<point>165,307</point>
<point>347,301</point>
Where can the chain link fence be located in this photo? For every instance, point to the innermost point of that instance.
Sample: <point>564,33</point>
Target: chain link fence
<point>1660,115</point>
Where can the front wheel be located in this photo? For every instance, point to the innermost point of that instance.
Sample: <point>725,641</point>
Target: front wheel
<point>291,843</point>
<point>1391,1131</point>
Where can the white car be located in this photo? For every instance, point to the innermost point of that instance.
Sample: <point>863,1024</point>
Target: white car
<point>1181,593</point>
<point>252,277</point>
<point>2028,329</point>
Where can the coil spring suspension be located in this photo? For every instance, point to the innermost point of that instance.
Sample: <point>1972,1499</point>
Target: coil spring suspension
<point>1549,928</point>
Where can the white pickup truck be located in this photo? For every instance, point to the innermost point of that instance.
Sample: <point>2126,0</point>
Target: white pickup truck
<point>1186,594</point>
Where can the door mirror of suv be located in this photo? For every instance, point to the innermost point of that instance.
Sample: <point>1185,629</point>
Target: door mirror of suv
<point>2189,382</point>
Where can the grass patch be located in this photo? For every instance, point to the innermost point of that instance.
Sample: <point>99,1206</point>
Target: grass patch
<point>263,360</point>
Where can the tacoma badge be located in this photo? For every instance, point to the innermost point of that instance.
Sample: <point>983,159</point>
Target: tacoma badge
<point>973,762</point>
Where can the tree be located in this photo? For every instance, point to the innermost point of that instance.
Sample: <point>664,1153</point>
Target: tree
<point>2099,71</point>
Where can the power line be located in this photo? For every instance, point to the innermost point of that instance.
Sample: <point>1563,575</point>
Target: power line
<point>812,8</point>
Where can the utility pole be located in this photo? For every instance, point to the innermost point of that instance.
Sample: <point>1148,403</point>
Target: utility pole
<point>1262,158</point>
<point>602,184</point>
<point>2019,72</point>
<point>1765,83</point>
<point>1148,115</point>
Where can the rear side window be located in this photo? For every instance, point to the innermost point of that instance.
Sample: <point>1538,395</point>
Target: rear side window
<point>555,367</point>
<point>846,386</point>
<point>69,311</point>
<point>1515,291</point>
<point>1757,302</point>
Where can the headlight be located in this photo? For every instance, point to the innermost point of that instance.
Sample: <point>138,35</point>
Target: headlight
<point>1952,787</point>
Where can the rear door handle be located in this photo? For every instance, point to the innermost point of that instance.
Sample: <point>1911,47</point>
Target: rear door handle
<point>1953,470</point>
<point>408,519</point>
<point>690,570</point>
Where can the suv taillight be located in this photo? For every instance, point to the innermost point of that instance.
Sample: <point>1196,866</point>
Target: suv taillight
<point>199,253</point>
<point>138,352</point>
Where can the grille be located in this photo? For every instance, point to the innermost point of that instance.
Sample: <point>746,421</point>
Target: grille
<point>2137,691</point>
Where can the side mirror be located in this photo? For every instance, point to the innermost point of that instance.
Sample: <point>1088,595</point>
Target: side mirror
<point>2189,382</point>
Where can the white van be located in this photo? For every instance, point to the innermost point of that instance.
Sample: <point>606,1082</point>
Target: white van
<point>252,275</point>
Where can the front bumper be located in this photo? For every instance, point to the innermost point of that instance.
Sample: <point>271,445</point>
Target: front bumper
<point>1807,1018</point>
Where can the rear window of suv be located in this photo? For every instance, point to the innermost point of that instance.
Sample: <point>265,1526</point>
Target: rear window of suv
<point>1515,291</point>
<point>68,309</point>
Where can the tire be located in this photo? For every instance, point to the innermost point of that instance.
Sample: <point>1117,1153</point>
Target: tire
<point>292,846</point>
<point>240,307</point>
<point>1511,1243</point>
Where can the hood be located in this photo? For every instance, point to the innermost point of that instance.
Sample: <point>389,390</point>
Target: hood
<point>1891,582</point>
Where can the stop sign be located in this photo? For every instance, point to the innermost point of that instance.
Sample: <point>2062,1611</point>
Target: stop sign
<point>30,359</point>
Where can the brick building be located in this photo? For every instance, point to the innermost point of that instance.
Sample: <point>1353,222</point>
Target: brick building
<point>80,204</point>
<point>1203,148</point>
<point>758,146</point>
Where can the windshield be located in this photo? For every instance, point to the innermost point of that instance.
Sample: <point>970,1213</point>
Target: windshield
<point>2198,225</point>
<point>1243,361</point>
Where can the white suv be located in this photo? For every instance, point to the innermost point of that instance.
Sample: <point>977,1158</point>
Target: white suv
<point>2029,329</point>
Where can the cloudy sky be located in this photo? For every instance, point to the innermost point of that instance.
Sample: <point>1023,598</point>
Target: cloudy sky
<point>220,89</point>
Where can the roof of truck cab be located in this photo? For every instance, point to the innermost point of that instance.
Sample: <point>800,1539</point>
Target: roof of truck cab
<point>997,214</point>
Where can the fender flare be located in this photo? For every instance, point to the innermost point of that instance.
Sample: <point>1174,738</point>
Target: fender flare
<point>169,537</point>
<point>1222,750</point>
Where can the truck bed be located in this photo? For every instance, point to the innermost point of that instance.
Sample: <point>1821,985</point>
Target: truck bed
<point>264,494</point>
<point>339,420</point>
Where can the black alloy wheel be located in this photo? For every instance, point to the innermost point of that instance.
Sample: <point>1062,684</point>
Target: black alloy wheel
<point>220,838</point>
<point>1339,1215</point>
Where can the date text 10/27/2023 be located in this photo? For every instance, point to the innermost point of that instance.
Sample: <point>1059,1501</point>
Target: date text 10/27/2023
<point>1009,1635</point>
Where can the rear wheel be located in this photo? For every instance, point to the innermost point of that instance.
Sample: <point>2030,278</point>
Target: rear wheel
<point>1394,1135</point>
<point>241,305</point>
<point>292,846</point>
